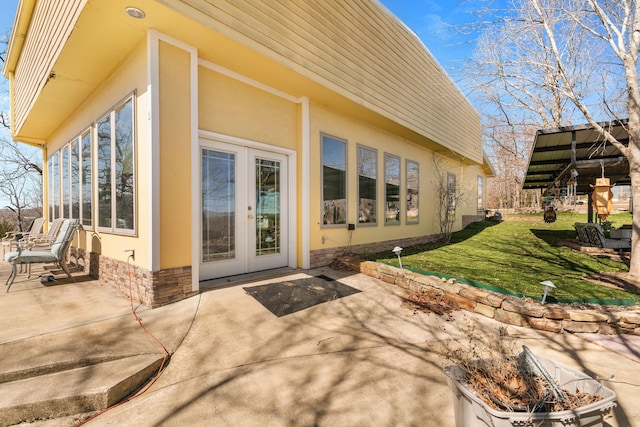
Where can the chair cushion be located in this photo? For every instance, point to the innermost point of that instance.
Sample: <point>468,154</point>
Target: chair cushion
<point>30,257</point>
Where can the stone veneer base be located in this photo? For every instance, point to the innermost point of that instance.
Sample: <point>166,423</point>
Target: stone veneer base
<point>505,308</point>
<point>150,288</point>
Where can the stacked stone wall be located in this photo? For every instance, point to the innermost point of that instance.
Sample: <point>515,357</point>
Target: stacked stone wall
<point>152,289</point>
<point>508,309</point>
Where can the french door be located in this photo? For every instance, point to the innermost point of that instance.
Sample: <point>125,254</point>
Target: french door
<point>244,204</point>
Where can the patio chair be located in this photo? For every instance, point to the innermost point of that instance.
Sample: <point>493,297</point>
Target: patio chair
<point>11,238</point>
<point>44,240</point>
<point>591,234</point>
<point>56,255</point>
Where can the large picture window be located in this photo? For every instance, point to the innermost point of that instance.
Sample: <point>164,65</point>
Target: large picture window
<point>74,151</point>
<point>391,189</point>
<point>66,181</point>
<point>115,172</point>
<point>367,185</point>
<point>86,179</point>
<point>334,181</point>
<point>413,192</point>
<point>69,185</point>
<point>55,186</point>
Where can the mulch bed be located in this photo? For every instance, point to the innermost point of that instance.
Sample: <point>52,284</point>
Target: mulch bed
<point>431,302</point>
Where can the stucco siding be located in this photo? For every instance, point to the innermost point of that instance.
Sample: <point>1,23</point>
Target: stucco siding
<point>51,25</point>
<point>130,76</point>
<point>355,132</point>
<point>175,156</point>
<point>358,50</point>
<point>234,108</point>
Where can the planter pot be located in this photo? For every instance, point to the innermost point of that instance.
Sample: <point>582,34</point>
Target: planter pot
<point>471,410</point>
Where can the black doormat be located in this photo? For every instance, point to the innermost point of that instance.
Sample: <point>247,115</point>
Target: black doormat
<point>288,297</point>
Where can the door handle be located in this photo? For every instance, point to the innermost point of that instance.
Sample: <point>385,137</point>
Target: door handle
<point>250,217</point>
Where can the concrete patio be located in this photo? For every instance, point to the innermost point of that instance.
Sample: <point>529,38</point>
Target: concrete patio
<point>365,359</point>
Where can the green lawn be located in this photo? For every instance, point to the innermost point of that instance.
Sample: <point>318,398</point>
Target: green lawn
<point>516,255</point>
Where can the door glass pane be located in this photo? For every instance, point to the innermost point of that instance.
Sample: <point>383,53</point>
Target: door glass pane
<point>218,206</point>
<point>267,207</point>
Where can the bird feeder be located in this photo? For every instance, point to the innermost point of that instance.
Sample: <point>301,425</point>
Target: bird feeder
<point>602,198</point>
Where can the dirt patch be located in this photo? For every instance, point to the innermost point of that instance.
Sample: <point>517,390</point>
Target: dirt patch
<point>431,301</point>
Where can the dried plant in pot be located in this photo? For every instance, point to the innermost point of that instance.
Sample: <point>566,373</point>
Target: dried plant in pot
<point>505,389</point>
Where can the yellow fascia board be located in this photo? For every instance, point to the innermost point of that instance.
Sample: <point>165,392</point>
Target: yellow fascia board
<point>18,35</point>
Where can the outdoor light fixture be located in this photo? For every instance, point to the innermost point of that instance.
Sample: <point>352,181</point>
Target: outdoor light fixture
<point>397,251</point>
<point>548,286</point>
<point>134,12</point>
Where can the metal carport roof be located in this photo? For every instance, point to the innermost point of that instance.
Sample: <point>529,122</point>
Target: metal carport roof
<point>558,151</point>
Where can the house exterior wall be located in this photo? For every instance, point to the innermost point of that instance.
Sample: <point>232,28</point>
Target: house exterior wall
<point>232,107</point>
<point>40,50</point>
<point>129,77</point>
<point>264,76</point>
<point>175,161</point>
<point>356,49</point>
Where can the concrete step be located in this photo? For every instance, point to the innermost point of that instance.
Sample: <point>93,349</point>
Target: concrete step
<point>73,391</point>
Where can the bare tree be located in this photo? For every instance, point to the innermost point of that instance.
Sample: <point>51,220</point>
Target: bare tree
<point>450,196</point>
<point>553,62</point>
<point>611,31</point>
<point>20,167</point>
<point>513,76</point>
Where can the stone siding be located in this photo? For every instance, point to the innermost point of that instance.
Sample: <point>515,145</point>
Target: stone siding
<point>505,308</point>
<point>322,257</point>
<point>152,289</point>
<point>468,219</point>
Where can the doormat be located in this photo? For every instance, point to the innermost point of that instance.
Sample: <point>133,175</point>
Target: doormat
<point>288,297</point>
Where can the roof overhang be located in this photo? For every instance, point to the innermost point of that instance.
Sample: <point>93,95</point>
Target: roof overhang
<point>558,152</point>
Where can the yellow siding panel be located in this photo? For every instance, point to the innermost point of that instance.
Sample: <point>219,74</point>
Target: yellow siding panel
<point>358,50</point>
<point>51,25</point>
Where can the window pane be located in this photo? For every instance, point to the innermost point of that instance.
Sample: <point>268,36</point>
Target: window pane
<point>367,185</point>
<point>268,215</point>
<point>124,177</point>
<point>87,205</point>
<point>218,206</point>
<point>104,172</point>
<point>392,189</point>
<point>50,187</point>
<point>413,199</point>
<point>65,182</point>
<point>75,179</point>
<point>55,185</point>
<point>334,181</point>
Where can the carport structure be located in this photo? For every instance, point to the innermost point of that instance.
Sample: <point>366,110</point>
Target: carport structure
<point>576,155</point>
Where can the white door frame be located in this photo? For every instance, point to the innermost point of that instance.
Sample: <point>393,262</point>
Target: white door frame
<point>292,195</point>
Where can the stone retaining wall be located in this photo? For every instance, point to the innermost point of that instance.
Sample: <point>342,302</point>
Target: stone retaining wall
<point>505,308</point>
